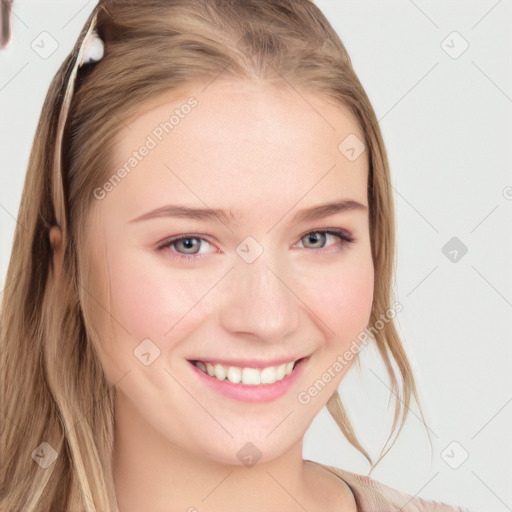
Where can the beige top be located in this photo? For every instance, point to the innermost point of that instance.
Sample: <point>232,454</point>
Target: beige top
<point>373,496</point>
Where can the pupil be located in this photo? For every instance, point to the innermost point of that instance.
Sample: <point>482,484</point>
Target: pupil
<point>188,243</point>
<point>314,238</point>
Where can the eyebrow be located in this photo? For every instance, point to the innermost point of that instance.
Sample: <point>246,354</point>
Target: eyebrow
<point>229,217</point>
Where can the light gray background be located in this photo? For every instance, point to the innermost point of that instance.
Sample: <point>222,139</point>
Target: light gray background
<point>447,125</point>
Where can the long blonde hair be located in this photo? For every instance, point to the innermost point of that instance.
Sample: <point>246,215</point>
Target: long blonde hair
<point>53,386</point>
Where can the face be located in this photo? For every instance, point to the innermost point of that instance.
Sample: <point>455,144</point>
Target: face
<point>266,280</point>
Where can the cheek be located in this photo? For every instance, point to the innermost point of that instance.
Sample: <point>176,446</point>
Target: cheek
<point>145,300</point>
<point>149,298</point>
<point>342,298</point>
<point>154,300</point>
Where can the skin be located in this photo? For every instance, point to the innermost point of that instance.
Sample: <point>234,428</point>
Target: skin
<point>264,152</point>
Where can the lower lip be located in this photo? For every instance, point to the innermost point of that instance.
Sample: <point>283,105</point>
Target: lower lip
<point>259,393</point>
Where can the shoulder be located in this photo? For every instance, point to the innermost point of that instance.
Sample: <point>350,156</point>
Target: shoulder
<point>374,496</point>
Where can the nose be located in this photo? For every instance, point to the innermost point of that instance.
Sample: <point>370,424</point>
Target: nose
<point>259,300</point>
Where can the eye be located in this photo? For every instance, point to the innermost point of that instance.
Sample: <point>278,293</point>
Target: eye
<point>190,244</point>
<point>318,238</point>
<point>187,247</point>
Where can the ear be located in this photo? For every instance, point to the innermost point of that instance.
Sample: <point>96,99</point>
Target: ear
<point>57,249</point>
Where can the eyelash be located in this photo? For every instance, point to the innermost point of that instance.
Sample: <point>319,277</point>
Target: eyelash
<point>345,238</point>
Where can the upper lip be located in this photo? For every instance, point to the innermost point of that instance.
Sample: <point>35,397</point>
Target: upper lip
<point>248,363</point>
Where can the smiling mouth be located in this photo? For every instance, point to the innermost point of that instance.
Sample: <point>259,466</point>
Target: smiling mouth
<point>247,375</point>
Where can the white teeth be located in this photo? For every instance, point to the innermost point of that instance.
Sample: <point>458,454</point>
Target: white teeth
<point>220,372</point>
<point>280,371</point>
<point>248,376</point>
<point>268,375</point>
<point>251,376</point>
<point>234,375</point>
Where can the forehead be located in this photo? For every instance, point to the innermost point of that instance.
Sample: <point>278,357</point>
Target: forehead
<point>237,145</point>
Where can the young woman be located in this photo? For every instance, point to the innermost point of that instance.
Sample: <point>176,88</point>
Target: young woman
<point>205,244</point>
